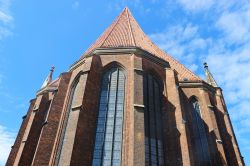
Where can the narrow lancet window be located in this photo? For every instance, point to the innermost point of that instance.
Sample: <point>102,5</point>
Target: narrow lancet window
<point>46,112</point>
<point>200,144</point>
<point>153,123</point>
<point>108,141</point>
<point>69,129</point>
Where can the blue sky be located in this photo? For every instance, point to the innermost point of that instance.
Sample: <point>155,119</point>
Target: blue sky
<point>34,35</point>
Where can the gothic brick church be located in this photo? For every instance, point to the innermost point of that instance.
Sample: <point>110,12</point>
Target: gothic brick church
<point>126,102</point>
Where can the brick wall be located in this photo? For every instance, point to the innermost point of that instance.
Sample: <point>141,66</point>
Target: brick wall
<point>48,134</point>
<point>177,130</point>
<point>20,134</point>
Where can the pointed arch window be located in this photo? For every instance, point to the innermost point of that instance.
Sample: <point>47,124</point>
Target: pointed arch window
<point>108,141</point>
<point>66,143</point>
<point>153,123</point>
<point>200,143</point>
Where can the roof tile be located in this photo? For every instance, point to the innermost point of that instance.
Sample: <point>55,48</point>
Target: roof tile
<point>125,32</point>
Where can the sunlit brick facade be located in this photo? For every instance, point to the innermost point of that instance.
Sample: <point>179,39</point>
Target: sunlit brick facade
<point>127,102</point>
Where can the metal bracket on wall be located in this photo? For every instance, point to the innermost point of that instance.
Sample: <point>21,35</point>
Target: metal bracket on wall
<point>184,121</point>
<point>24,116</point>
<point>211,107</point>
<point>139,105</point>
<point>219,141</point>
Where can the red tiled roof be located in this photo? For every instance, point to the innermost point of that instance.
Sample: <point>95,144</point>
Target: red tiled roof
<point>125,32</point>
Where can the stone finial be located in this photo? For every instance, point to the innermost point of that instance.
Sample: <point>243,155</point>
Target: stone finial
<point>48,80</point>
<point>209,77</point>
<point>205,65</point>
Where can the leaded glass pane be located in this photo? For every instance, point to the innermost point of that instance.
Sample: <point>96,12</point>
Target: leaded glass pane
<point>199,135</point>
<point>108,144</point>
<point>116,154</point>
<point>119,113</point>
<point>110,119</point>
<point>102,114</point>
<point>111,114</point>
<point>98,144</point>
<point>100,128</point>
<point>118,121</point>
<point>106,162</point>
<point>152,118</point>
<point>118,137</point>
<point>107,154</point>
<point>109,129</point>
<point>97,154</point>
<point>117,145</point>
<point>101,120</point>
<point>119,108</point>
<point>116,162</point>
<point>99,136</point>
<point>96,162</point>
<point>109,137</point>
<point>118,128</point>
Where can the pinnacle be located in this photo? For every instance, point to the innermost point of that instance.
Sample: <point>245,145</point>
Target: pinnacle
<point>209,77</point>
<point>48,80</point>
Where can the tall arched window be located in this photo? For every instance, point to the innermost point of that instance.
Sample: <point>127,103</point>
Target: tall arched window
<point>201,153</point>
<point>108,141</point>
<point>153,123</point>
<point>69,128</point>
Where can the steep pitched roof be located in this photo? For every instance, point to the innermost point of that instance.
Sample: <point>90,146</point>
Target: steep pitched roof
<point>125,32</point>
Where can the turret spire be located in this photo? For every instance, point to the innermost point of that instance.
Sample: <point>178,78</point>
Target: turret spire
<point>48,80</point>
<point>209,77</point>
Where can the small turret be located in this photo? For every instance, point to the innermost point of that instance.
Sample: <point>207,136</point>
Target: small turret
<point>48,80</point>
<point>209,77</point>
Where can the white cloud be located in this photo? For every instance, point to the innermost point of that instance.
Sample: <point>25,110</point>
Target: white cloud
<point>182,41</point>
<point>235,25</point>
<point>4,5</point>
<point>198,43</point>
<point>232,67</point>
<point>173,36</point>
<point>225,45</point>
<point>7,139</point>
<point>193,67</point>
<point>5,16</point>
<point>4,32</point>
<point>75,5</point>
<point>215,7</point>
<point>5,19</point>
<point>196,5</point>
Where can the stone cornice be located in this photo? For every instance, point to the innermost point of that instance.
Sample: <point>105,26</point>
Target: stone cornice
<point>123,50</point>
<point>202,84</point>
<point>77,64</point>
<point>46,89</point>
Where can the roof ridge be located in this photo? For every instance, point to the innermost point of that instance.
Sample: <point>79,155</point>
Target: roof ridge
<point>157,49</point>
<point>133,37</point>
<point>99,42</point>
<point>178,62</point>
<point>118,18</point>
<point>125,32</point>
<point>182,65</point>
